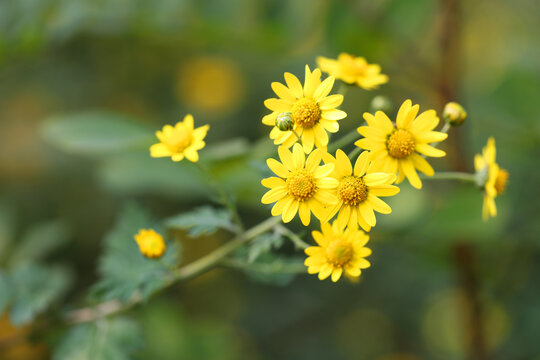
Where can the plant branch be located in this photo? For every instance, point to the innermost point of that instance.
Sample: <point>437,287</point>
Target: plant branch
<point>451,175</point>
<point>344,140</point>
<point>297,241</point>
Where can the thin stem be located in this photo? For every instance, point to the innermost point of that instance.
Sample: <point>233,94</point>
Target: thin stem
<point>297,136</point>
<point>444,130</point>
<point>224,198</point>
<point>451,175</point>
<point>186,272</point>
<point>343,88</point>
<point>344,140</point>
<point>296,240</point>
<point>354,153</point>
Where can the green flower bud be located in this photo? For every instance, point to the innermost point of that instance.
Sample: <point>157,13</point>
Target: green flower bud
<point>454,114</point>
<point>381,103</point>
<point>284,121</point>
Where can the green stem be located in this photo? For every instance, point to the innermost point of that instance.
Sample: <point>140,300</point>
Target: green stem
<point>444,130</point>
<point>296,240</point>
<point>451,175</point>
<point>344,140</point>
<point>224,198</point>
<point>354,153</point>
<point>186,272</point>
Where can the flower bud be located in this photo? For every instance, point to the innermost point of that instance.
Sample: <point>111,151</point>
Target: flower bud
<point>381,103</point>
<point>284,121</point>
<point>454,114</point>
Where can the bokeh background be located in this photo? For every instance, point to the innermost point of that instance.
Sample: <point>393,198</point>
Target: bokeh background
<point>443,284</point>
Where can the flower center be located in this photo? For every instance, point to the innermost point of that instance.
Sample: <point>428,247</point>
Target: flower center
<point>301,185</point>
<point>179,140</point>
<point>400,144</point>
<point>352,190</point>
<point>306,112</point>
<point>339,252</point>
<point>501,180</point>
<point>350,67</point>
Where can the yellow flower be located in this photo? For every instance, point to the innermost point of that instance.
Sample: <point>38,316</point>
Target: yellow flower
<point>353,70</point>
<point>339,250</point>
<point>359,190</point>
<point>312,110</point>
<point>151,244</point>
<point>302,185</point>
<point>398,149</point>
<point>495,178</point>
<point>180,141</point>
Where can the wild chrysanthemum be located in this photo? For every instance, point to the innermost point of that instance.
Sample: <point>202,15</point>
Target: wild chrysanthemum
<point>493,178</point>
<point>311,109</point>
<point>301,186</point>
<point>180,141</point>
<point>353,70</point>
<point>399,149</point>
<point>151,244</point>
<point>359,190</point>
<point>339,251</point>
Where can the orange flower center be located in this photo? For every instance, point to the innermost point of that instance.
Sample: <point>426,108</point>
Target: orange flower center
<point>301,185</point>
<point>339,252</point>
<point>400,144</point>
<point>179,140</point>
<point>501,181</point>
<point>352,190</point>
<point>306,112</point>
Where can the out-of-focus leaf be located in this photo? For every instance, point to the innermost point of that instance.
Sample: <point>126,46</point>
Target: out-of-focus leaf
<point>272,269</point>
<point>5,292</point>
<point>34,288</point>
<point>95,133</point>
<point>6,227</point>
<point>39,241</point>
<point>123,269</point>
<point>227,149</point>
<point>263,244</point>
<point>204,220</point>
<point>112,339</point>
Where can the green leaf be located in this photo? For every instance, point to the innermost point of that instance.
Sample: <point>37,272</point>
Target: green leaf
<point>95,133</point>
<point>7,228</point>
<point>39,241</point>
<point>34,288</point>
<point>111,339</point>
<point>263,244</point>
<point>274,269</point>
<point>124,270</point>
<point>202,221</point>
<point>5,292</point>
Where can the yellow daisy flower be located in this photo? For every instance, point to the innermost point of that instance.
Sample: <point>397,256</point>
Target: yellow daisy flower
<point>180,141</point>
<point>151,244</point>
<point>359,190</point>
<point>312,110</point>
<point>399,149</point>
<point>495,178</point>
<point>353,70</point>
<point>339,251</point>
<point>302,185</point>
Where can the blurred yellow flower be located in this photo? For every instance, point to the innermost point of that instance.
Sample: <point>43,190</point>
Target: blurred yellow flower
<point>211,84</point>
<point>312,110</point>
<point>494,178</point>
<point>353,70</point>
<point>398,149</point>
<point>180,141</point>
<point>339,250</point>
<point>302,185</point>
<point>359,190</point>
<point>151,244</point>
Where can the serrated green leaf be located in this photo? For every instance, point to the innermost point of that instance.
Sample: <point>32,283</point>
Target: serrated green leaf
<point>39,241</point>
<point>34,288</point>
<point>263,244</point>
<point>112,339</point>
<point>123,269</point>
<point>202,221</point>
<point>95,133</point>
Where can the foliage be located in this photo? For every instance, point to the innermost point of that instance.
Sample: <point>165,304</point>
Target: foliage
<point>123,269</point>
<point>202,221</point>
<point>108,339</point>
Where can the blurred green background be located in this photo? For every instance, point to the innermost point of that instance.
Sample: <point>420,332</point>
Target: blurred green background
<point>443,284</point>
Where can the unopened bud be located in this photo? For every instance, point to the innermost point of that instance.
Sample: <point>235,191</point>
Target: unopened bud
<point>454,114</point>
<point>381,103</point>
<point>284,121</point>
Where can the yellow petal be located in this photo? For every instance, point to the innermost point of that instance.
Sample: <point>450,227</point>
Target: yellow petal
<point>278,105</point>
<point>283,92</point>
<point>191,154</point>
<point>429,150</point>
<point>334,114</point>
<point>336,274</point>
<point>362,163</point>
<point>286,158</point>
<point>305,214</point>
<point>407,166</point>
<point>272,182</point>
<point>384,190</point>
<point>294,85</point>
<point>421,164</point>
<point>378,205</point>
<point>298,157</point>
<point>159,150</point>
<point>290,211</point>
<point>331,102</point>
<point>274,195</point>
<point>278,168</point>
<point>323,89</point>
<point>379,178</point>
